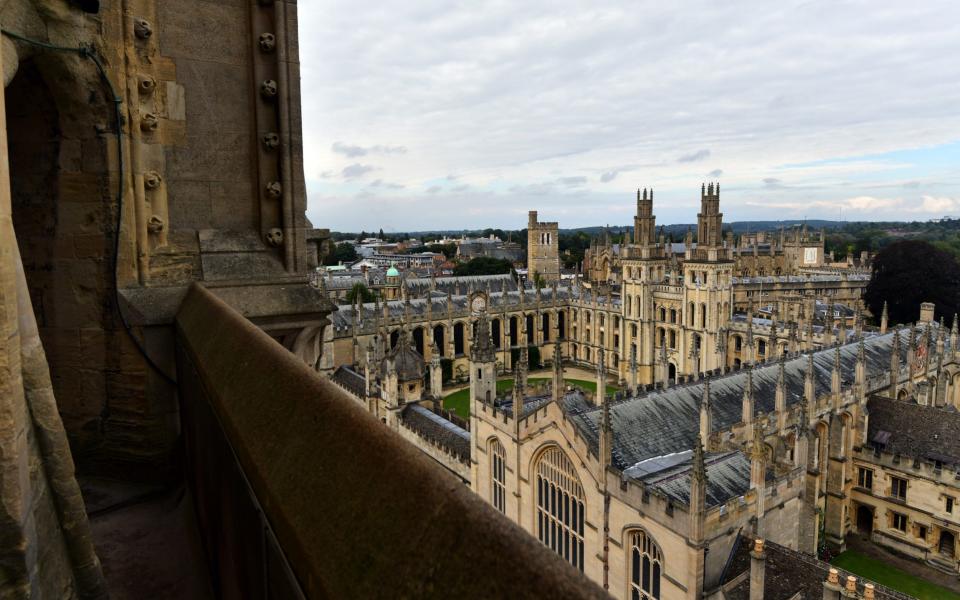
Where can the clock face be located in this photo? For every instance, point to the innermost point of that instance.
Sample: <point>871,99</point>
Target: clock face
<point>479,304</point>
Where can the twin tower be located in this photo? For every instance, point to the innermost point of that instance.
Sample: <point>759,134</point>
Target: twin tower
<point>543,243</point>
<point>709,219</point>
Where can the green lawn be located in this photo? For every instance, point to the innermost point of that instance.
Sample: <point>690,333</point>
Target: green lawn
<point>884,574</point>
<point>459,402</point>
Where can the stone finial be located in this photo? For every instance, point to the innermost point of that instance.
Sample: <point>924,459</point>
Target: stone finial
<point>699,460</point>
<point>758,546</point>
<point>833,577</point>
<point>851,583</point>
<point>868,591</point>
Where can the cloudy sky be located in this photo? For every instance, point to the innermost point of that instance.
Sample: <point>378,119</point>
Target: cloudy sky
<point>423,114</point>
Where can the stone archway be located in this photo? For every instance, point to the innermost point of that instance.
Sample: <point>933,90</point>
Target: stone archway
<point>865,520</point>
<point>947,544</point>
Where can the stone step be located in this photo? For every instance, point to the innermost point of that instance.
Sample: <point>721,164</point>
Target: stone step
<point>943,565</point>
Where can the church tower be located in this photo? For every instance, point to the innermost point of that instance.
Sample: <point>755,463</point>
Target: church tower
<point>645,223</point>
<point>543,249</point>
<point>483,365</point>
<point>707,288</point>
<point>710,219</point>
<point>644,264</point>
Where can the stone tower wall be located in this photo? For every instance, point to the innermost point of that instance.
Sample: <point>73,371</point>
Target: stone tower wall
<point>212,190</point>
<point>543,248</point>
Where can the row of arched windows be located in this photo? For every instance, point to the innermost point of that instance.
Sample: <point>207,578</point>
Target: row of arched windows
<point>561,508</point>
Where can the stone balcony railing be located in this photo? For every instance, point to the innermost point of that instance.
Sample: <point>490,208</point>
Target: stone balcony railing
<point>300,493</point>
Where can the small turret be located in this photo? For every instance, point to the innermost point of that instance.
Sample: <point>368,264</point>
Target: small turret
<point>706,412</point>
<point>954,336</point>
<point>758,472</point>
<point>698,492</point>
<point>518,395</point>
<point>895,363</point>
<point>780,395</point>
<point>884,318</point>
<point>601,376</point>
<point>747,413</point>
<point>836,379</point>
<point>809,380</point>
<point>606,435</point>
<point>558,383</point>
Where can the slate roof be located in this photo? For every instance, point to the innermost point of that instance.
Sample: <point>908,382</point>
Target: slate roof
<point>351,380</point>
<point>435,428</point>
<point>420,286</point>
<point>572,401</point>
<point>342,319</point>
<point>923,432</point>
<point>408,362</point>
<point>728,475</point>
<point>850,276</point>
<point>665,422</point>
<point>788,575</point>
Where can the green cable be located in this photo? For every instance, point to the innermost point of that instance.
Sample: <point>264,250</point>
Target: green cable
<point>89,53</point>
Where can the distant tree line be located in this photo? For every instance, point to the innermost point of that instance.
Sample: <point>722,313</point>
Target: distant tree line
<point>907,273</point>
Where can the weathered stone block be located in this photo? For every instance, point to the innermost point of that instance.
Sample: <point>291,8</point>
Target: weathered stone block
<point>236,204</point>
<point>210,31</point>
<point>80,187</point>
<point>189,204</point>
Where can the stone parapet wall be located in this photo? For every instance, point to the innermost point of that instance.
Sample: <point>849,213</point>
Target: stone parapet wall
<point>351,504</point>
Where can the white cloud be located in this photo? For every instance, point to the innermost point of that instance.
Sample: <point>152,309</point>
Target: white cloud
<point>356,170</point>
<point>695,156</point>
<point>510,96</point>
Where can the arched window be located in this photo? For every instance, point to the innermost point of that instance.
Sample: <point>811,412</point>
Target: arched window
<point>560,506</point>
<point>498,475</point>
<point>645,567</point>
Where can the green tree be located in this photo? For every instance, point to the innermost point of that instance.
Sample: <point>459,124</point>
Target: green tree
<point>909,272</point>
<point>449,250</point>
<point>484,265</point>
<point>359,290</point>
<point>342,253</point>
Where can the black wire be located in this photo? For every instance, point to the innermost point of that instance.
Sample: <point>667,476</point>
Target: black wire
<point>89,53</point>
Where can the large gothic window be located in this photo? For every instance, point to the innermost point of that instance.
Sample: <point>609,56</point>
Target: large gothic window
<point>645,566</point>
<point>560,506</point>
<point>498,475</point>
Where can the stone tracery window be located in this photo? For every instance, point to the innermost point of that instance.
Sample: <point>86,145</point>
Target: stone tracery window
<point>498,475</point>
<point>646,563</point>
<point>560,506</point>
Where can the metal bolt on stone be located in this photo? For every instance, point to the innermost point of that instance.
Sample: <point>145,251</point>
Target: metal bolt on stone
<point>142,28</point>
<point>146,84</point>
<point>268,89</point>
<point>275,237</point>
<point>274,190</point>
<point>152,180</point>
<point>271,141</point>
<point>155,224</point>
<point>149,122</point>
<point>268,42</point>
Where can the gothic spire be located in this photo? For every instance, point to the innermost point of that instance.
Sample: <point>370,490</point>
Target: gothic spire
<point>706,413</point>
